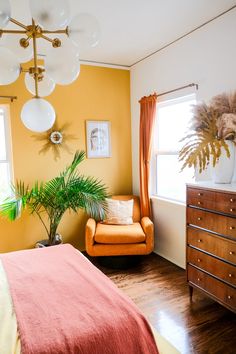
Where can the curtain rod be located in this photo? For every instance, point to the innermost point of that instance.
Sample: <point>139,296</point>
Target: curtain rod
<point>12,98</point>
<point>177,89</point>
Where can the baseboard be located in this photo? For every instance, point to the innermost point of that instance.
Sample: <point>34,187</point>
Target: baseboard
<point>169,259</point>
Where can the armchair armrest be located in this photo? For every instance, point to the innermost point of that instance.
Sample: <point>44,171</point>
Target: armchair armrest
<point>90,230</point>
<point>148,229</point>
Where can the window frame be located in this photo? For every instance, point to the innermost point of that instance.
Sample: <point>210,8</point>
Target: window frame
<point>156,152</point>
<point>8,140</point>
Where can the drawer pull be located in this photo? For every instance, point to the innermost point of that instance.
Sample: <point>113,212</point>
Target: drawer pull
<point>229,297</point>
<point>231,200</point>
<point>199,194</point>
<point>199,219</point>
<point>199,260</point>
<point>198,279</point>
<point>230,275</point>
<point>199,240</point>
<point>231,252</point>
<point>231,209</point>
<point>232,227</point>
<point>199,203</point>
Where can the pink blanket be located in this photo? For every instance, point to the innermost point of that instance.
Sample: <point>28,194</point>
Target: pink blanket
<point>65,305</point>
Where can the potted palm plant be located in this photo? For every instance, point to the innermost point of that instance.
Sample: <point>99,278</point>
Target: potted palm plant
<point>68,191</point>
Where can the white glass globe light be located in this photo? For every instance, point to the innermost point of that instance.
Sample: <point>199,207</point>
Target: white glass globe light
<point>9,68</point>
<point>45,86</point>
<point>38,115</point>
<point>12,42</point>
<point>62,64</point>
<point>50,14</point>
<point>5,13</point>
<point>84,30</point>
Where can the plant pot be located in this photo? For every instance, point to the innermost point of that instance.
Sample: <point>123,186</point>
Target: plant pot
<point>224,168</point>
<point>45,243</point>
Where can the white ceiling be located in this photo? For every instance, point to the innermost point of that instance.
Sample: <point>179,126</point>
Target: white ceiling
<point>133,29</point>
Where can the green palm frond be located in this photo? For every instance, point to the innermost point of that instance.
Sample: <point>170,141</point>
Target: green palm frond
<point>68,191</point>
<point>78,158</point>
<point>11,209</point>
<point>87,193</point>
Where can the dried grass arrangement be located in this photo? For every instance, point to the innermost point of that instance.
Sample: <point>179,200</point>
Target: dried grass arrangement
<point>211,126</point>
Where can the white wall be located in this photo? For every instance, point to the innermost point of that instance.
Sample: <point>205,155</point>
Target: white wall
<point>206,57</point>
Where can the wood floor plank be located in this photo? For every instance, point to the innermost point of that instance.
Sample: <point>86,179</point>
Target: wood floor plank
<point>159,289</point>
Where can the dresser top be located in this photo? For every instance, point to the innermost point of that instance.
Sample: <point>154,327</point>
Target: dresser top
<point>215,186</point>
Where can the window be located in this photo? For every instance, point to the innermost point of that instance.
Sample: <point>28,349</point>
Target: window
<point>5,154</point>
<point>172,121</point>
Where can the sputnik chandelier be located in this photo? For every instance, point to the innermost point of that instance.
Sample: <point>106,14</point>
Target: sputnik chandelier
<point>61,62</point>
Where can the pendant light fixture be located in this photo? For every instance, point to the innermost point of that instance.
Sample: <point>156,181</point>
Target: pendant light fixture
<point>61,63</point>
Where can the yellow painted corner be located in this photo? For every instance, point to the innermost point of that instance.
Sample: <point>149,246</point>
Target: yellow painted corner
<point>98,94</point>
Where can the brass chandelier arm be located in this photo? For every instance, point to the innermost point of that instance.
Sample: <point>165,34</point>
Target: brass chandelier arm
<point>63,31</point>
<point>12,31</point>
<point>18,23</point>
<point>24,42</point>
<point>56,42</point>
<point>35,61</point>
<point>47,38</point>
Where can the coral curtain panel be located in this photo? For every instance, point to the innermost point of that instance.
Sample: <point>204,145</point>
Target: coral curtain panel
<point>147,119</point>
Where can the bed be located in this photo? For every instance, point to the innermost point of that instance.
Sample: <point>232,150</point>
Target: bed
<point>54,301</point>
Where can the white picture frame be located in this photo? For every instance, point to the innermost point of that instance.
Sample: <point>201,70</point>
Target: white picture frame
<point>98,139</point>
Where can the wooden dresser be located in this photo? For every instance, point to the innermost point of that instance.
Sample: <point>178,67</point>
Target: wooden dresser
<point>211,242</point>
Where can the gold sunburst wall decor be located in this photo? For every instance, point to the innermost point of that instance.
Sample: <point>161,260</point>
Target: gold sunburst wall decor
<point>55,139</point>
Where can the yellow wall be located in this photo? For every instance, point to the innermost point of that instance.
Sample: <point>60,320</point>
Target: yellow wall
<point>98,94</point>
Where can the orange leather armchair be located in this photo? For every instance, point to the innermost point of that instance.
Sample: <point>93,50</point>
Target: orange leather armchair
<point>116,240</point>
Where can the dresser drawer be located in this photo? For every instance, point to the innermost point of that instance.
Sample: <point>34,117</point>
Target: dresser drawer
<point>201,194</point>
<point>201,198</point>
<point>215,201</point>
<point>225,203</point>
<point>223,292</point>
<point>220,224</point>
<point>210,243</point>
<point>212,265</point>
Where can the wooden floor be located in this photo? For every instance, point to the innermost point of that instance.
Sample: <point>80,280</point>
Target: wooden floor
<point>159,289</point>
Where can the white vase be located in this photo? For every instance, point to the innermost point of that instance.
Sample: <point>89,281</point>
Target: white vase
<point>224,168</point>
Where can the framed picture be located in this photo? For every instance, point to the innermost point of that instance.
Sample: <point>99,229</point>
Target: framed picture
<point>98,139</point>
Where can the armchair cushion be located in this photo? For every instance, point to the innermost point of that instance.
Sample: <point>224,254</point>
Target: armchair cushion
<point>136,208</point>
<point>119,212</point>
<point>118,234</point>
